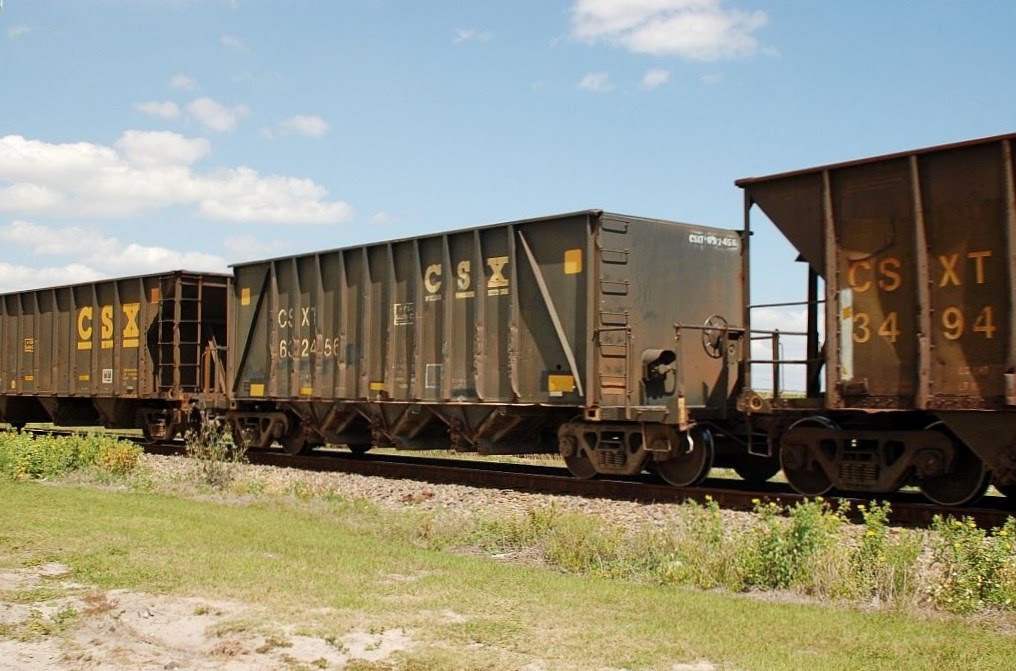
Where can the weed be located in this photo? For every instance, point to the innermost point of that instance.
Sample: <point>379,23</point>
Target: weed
<point>273,641</point>
<point>217,457</point>
<point>780,552</point>
<point>978,567</point>
<point>24,456</point>
<point>517,533</point>
<point>702,553</point>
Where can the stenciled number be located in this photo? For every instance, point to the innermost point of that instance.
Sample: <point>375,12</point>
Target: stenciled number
<point>985,323</point>
<point>952,320</point>
<point>303,348</point>
<point>954,323</point>
<point>888,329</point>
<point>862,327</point>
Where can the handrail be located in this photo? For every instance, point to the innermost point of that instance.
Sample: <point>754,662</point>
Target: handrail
<point>786,305</point>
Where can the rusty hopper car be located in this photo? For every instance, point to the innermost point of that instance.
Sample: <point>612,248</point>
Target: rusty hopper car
<point>117,353</point>
<point>561,333</point>
<point>918,256</point>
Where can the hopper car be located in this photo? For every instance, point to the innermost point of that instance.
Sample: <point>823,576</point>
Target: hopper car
<point>621,343</point>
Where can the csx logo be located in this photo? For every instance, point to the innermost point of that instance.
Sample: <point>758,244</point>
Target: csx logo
<point>497,282</point>
<point>131,332</point>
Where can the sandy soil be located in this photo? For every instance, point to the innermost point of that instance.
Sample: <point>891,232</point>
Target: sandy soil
<point>71,626</point>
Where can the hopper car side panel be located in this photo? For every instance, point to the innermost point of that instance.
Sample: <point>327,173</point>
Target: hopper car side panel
<point>100,353</point>
<point>918,254</point>
<point>464,335</point>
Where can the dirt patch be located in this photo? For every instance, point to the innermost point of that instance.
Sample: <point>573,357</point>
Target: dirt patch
<point>80,626</point>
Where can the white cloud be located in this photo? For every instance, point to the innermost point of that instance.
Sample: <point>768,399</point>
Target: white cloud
<point>147,171</point>
<point>161,148</point>
<point>29,198</point>
<point>165,110</point>
<point>216,116</point>
<point>233,42</point>
<point>471,35</point>
<point>655,77</point>
<point>91,255</point>
<point>14,277</point>
<point>381,218</point>
<point>182,82</point>
<point>17,31</point>
<point>701,30</point>
<point>309,125</point>
<point>598,82</point>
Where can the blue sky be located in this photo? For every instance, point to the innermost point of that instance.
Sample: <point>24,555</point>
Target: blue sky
<point>142,135</point>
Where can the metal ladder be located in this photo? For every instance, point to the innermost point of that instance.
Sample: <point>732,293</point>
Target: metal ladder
<point>179,344</point>
<point>613,330</point>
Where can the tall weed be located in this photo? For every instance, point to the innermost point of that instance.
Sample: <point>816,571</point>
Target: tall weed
<point>217,457</point>
<point>978,567</point>
<point>782,550</point>
<point>26,456</point>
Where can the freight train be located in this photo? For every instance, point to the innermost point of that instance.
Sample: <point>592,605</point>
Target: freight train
<point>621,343</point>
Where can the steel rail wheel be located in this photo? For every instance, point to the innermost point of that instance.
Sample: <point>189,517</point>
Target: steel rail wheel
<point>966,482</point>
<point>803,473</point>
<point>690,467</point>
<point>757,469</point>
<point>295,442</point>
<point>580,465</point>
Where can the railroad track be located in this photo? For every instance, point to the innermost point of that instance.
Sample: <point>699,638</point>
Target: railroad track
<point>909,509</point>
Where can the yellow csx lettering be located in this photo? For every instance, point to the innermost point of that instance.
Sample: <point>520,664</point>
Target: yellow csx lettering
<point>862,275</point>
<point>432,278</point>
<point>131,329</point>
<point>951,273</point>
<point>85,328</point>
<point>497,278</point>
<point>464,278</point>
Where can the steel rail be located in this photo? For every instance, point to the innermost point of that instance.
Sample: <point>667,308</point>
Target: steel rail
<point>907,508</point>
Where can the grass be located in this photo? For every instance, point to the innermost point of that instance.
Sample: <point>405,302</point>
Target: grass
<point>347,558</point>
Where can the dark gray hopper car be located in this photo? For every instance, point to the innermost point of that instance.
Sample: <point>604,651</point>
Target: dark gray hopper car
<point>117,353</point>
<point>600,335</point>
<point>918,255</point>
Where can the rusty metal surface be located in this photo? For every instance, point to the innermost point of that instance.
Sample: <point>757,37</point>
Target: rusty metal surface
<point>554,311</point>
<point>916,250</point>
<point>111,340</point>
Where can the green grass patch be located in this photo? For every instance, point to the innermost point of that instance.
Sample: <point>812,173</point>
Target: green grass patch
<point>356,565</point>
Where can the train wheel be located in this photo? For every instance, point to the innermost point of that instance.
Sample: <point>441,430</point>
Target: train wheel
<point>359,449</point>
<point>803,472</point>
<point>967,481</point>
<point>757,469</point>
<point>689,468</point>
<point>580,465</point>
<point>295,443</point>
